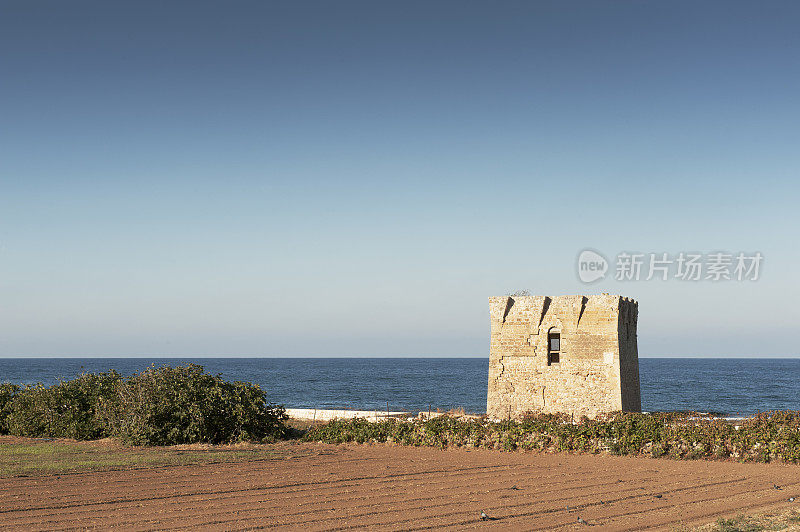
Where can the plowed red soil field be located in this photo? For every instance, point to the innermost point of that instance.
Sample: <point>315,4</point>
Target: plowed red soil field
<point>401,488</point>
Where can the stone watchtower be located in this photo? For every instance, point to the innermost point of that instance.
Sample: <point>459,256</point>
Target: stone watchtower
<point>570,354</point>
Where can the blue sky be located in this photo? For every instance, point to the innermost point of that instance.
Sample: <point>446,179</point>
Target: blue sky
<point>356,179</point>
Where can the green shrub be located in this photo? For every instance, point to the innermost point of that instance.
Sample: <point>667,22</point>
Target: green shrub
<point>771,436</point>
<point>166,406</point>
<point>7,393</point>
<point>68,409</point>
<point>159,406</point>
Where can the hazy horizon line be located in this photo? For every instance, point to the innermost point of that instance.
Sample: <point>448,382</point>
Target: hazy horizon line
<point>285,357</point>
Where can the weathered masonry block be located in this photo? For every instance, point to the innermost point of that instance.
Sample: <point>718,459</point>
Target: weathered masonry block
<point>568,354</point>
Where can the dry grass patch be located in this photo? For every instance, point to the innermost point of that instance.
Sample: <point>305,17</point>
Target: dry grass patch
<point>47,456</point>
<point>788,521</point>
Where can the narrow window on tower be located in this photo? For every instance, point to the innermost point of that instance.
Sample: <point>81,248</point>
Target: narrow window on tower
<point>553,347</point>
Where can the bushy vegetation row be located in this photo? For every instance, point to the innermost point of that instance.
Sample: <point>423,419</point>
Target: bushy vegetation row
<point>770,436</point>
<point>166,406</point>
<point>158,406</point>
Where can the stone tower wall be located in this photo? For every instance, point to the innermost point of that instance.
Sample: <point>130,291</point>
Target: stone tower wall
<point>598,370</point>
<point>629,356</point>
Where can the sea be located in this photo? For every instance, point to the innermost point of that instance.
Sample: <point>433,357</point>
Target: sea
<point>723,386</point>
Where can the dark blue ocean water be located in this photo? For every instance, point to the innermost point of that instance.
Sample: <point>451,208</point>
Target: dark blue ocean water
<point>725,386</point>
